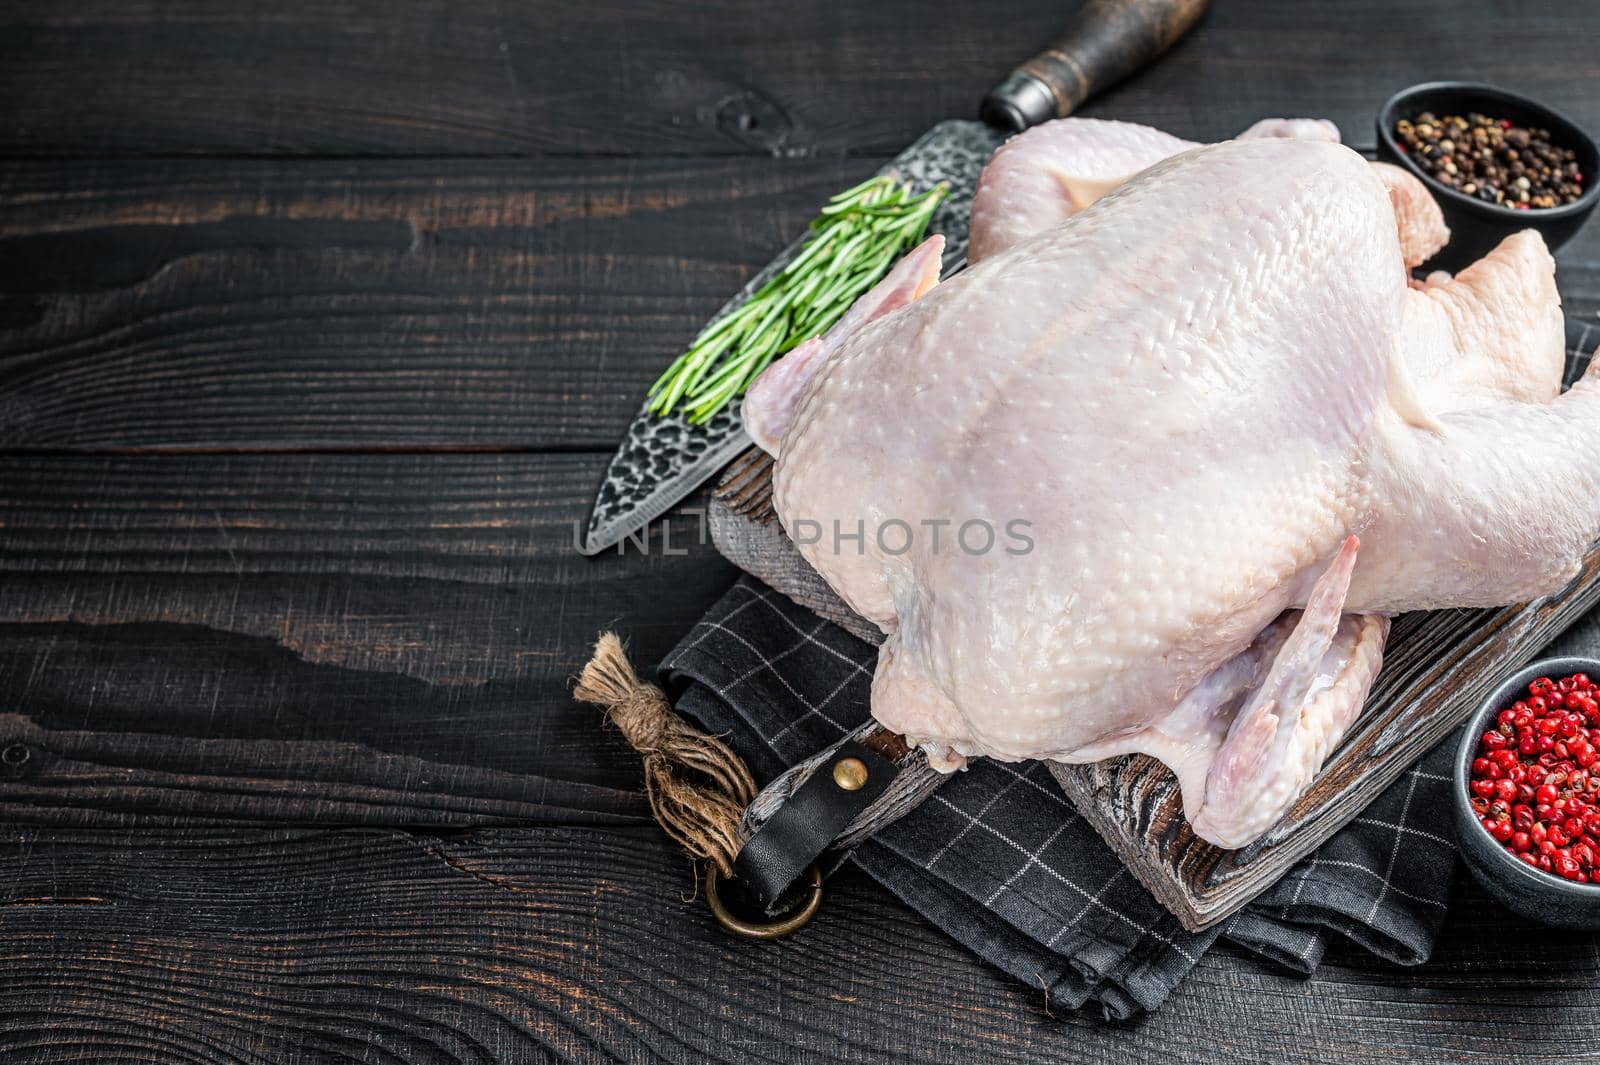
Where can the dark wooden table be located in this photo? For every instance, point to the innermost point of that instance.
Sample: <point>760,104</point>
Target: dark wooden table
<point>318,322</point>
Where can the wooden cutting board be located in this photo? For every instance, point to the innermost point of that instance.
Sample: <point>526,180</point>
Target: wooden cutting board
<point>1437,667</point>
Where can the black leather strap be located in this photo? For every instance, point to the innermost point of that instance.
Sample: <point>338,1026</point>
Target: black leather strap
<point>803,827</point>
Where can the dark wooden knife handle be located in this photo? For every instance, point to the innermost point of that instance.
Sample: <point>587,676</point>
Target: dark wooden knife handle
<point>1107,41</point>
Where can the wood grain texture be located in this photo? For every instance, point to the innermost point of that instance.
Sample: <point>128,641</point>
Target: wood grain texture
<point>1437,667</point>
<point>572,944</point>
<point>469,304</point>
<point>718,77</point>
<point>272,228</point>
<point>326,638</point>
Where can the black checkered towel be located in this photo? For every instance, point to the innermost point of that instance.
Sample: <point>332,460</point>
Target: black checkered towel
<point>999,859</point>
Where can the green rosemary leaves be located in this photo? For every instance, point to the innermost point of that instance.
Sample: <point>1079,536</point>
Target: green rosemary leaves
<point>856,238</point>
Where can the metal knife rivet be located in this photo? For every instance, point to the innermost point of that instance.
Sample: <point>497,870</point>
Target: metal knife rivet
<point>850,773</point>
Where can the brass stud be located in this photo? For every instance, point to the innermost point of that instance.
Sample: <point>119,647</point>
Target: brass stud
<point>850,773</point>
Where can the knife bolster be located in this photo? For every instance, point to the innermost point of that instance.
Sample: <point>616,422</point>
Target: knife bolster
<point>1106,41</point>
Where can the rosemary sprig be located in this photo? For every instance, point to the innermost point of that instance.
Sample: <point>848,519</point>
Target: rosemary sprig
<point>855,238</point>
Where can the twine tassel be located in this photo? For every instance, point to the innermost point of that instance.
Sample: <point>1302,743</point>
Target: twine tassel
<point>697,787</point>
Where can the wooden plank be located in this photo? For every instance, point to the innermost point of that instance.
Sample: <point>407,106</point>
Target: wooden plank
<point>470,304</point>
<point>324,638</point>
<point>587,946</point>
<point>721,76</point>
<point>1437,667</point>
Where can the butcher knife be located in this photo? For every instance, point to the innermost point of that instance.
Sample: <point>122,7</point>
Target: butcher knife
<point>663,458</point>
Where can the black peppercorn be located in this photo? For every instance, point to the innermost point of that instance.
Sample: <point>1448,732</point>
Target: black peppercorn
<point>1492,159</point>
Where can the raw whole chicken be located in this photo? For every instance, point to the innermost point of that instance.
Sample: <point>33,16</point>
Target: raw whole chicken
<point>1219,437</point>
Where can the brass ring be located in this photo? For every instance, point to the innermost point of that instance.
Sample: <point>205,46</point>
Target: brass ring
<point>774,929</point>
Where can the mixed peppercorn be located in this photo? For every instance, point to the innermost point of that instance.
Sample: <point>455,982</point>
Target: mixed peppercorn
<point>1536,778</point>
<point>1492,159</point>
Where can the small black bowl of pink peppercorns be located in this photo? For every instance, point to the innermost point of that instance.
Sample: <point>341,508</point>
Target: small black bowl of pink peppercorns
<point>1496,162</point>
<point>1527,792</point>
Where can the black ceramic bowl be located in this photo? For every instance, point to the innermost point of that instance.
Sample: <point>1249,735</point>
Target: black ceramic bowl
<point>1476,226</point>
<point>1542,896</point>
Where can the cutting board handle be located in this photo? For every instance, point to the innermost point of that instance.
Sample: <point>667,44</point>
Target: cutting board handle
<point>1107,41</point>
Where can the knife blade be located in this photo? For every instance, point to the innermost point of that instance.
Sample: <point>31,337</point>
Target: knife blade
<point>662,459</point>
